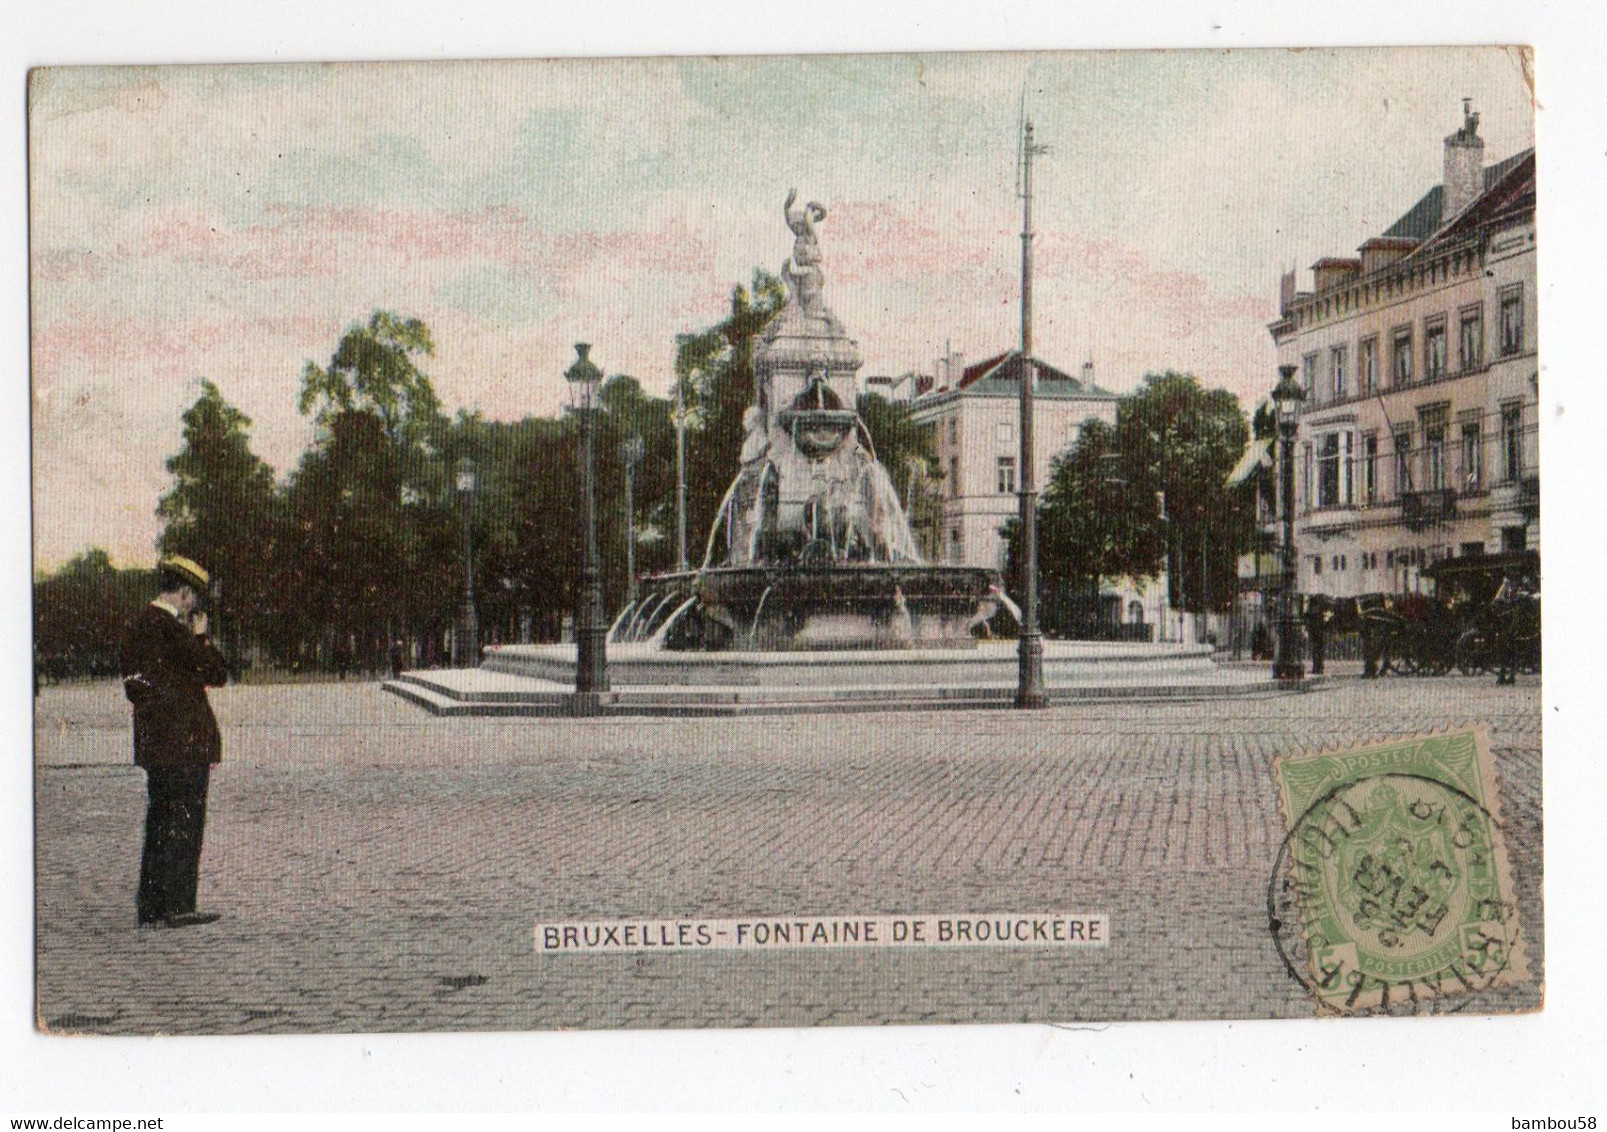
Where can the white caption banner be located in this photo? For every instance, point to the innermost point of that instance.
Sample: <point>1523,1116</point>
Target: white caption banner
<point>771,933</point>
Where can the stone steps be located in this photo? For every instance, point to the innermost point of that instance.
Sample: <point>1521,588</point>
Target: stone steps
<point>479,692</point>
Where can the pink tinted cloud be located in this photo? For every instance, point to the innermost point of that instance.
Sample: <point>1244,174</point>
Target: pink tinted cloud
<point>105,345</point>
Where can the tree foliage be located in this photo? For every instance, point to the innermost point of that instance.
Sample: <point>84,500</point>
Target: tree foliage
<point>373,370</point>
<point>362,543</point>
<point>715,367</point>
<point>79,614</point>
<point>1146,496</point>
<point>222,510</point>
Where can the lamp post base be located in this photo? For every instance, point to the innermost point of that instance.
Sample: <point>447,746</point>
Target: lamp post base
<point>467,641</point>
<point>1030,692</point>
<point>1287,667</point>
<point>586,705</point>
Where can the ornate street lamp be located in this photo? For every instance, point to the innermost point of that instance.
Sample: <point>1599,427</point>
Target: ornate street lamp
<point>467,638</point>
<point>591,630</point>
<point>631,451</point>
<point>1287,667</point>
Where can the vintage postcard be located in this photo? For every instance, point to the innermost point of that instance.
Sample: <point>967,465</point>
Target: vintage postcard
<point>777,541</point>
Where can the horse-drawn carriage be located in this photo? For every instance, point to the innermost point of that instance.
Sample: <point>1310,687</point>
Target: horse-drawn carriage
<point>1484,614</point>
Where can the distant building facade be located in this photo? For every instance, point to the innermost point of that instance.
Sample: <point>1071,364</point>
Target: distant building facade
<point>1417,438</point>
<point>972,413</point>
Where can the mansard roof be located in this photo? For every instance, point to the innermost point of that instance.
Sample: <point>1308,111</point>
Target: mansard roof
<point>1424,218</point>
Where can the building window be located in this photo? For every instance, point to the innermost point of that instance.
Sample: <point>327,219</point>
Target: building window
<point>954,476</point>
<point>1434,349</point>
<point>1367,365</point>
<point>1512,319</point>
<point>1336,369</point>
<point>1007,432</point>
<point>1434,455</point>
<point>1007,475</point>
<point>1316,564</point>
<point>1472,464</point>
<point>954,429</point>
<point>1471,353</point>
<point>1403,462</point>
<point>1369,469</point>
<point>1308,375</point>
<point>1402,360</point>
<point>1328,470</point>
<point>1511,442</point>
<point>1305,477</point>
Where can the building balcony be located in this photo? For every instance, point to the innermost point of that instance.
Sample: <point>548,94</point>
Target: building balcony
<point>1521,495</point>
<point>1420,509</point>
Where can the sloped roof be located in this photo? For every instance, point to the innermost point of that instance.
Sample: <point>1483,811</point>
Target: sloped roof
<point>1424,218</point>
<point>1002,372</point>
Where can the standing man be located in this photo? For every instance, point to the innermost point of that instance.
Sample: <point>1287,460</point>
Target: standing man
<point>1318,613</point>
<point>168,663</point>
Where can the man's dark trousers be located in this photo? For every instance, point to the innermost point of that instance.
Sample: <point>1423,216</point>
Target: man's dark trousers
<point>175,815</point>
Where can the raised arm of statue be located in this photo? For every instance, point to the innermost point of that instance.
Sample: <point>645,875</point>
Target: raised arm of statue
<point>802,221</point>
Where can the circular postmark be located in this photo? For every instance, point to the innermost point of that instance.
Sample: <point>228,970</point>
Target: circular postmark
<point>1389,897</point>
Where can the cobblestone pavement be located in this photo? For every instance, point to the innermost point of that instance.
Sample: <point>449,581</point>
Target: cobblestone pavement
<point>381,869</point>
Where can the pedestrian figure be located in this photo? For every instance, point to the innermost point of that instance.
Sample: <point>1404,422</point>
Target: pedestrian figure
<point>1372,646</point>
<point>168,662</point>
<point>1318,614</point>
<point>1261,642</point>
<point>1512,609</point>
<point>398,658</point>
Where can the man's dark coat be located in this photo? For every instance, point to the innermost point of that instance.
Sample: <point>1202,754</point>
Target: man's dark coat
<point>166,671</point>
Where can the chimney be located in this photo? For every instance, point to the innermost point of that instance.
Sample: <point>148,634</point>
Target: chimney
<point>1286,292</point>
<point>956,367</point>
<point>1087,375</point>
<point>1464,164</point>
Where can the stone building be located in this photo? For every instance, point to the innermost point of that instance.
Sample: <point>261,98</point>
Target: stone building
<point>1417,438</point>
<point>972,413</point>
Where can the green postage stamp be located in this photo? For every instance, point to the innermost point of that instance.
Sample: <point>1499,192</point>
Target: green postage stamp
<point>1392,892</point>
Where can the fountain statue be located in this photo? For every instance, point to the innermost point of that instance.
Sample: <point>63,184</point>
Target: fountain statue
<point>811,547</point>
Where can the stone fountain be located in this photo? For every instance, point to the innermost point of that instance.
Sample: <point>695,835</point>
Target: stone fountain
<point>811,548</point>
<point>811,594</point>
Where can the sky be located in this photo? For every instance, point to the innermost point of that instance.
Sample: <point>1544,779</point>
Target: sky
<point>231,222</point>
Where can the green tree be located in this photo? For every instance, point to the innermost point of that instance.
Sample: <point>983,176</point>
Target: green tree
<point>1179,441</point>
<point>374,370</point>
<point>715,366</point>
<point>222,511</point>
<point>358,535</point>
<point>1101,515</point>
<point>903,447</point>
<point>80,612</point>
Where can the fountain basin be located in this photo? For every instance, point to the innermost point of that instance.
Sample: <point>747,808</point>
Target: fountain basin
<point>832,607</point>
<point>990,666</point>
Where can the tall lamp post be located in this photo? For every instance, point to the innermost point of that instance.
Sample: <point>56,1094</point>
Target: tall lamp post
<point>1029,662</point>
<point>1287,666</point>
<point>630,454</point>
<point>591,655</point>
<point>680,476</point>
<point>468,634</point>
